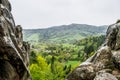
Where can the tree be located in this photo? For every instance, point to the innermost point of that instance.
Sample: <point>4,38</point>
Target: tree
<point>33,57</point>
<point>40,70</point>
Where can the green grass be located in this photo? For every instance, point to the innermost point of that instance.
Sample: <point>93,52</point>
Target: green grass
<point>72,63</point>
<point>34,37</point>
<point>67,38</point>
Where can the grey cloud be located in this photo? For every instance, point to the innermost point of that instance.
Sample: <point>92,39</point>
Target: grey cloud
<point>46,13</point>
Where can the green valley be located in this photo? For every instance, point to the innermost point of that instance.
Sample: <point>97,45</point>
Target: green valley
<point>56,51</point>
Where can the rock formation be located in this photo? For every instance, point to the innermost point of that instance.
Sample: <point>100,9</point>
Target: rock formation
<point>105,63</point>
<point>14,52</point>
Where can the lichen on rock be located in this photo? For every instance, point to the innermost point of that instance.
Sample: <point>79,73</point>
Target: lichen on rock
<point>14,52</point>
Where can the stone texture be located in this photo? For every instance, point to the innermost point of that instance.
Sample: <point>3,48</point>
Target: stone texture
<point>116,59</point>
<point>14,52</point>
<point>104,76</point>
<point>105,63</point>
<point>84,72</point>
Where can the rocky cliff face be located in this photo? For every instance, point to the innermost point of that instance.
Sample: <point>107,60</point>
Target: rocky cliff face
<point>14,52</point>
<point>105,63</point>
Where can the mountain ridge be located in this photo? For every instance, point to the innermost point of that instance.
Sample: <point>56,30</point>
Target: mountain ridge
<point>63,25</point>
<point>63,33</point>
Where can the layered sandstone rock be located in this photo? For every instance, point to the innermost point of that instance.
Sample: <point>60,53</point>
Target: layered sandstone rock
<point>14,52</point>
<point>105,63</point>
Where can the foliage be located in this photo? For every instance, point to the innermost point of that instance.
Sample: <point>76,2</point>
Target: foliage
<point>91,44</point>
<point>56,61</point>
<point>40,70</point>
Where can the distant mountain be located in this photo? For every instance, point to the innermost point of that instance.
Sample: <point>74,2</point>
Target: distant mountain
<point>63,33</point>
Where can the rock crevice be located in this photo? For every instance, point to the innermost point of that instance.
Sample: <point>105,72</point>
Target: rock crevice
<point>14,52</point>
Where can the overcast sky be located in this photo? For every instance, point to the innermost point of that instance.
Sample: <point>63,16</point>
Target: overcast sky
<point>47,13</point>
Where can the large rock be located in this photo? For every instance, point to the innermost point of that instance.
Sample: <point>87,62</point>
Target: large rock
<point>105,63</point>
<point>14,52</point>
<point>113,36</point>
<point>84,72</point>
<point>87,70</point>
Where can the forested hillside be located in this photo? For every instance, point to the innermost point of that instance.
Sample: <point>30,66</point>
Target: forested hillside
<point>64,33</point>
